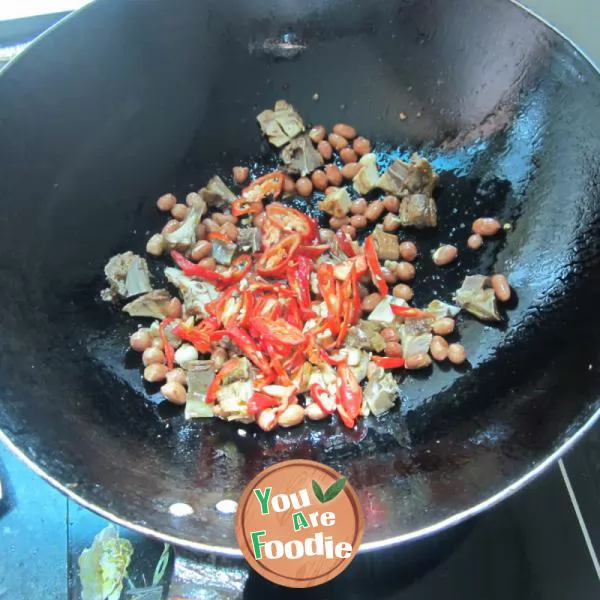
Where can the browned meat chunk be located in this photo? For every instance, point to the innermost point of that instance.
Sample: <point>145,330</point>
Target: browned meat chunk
<point>386,244</point>
<point>477,296</point>
<point>216,194</point>
<point>401,178</point>
<point>282,124</point>
<point>418,211</point>
<point>300,156</point>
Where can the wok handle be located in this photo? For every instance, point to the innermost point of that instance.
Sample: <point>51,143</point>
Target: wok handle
<point>207,577</point>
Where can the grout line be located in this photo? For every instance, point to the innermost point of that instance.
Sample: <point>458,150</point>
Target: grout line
<point>582,525</point>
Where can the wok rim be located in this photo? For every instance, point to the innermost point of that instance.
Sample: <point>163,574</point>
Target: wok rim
<point>417,534</point>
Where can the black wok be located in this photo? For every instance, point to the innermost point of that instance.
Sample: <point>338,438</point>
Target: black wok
<point>127,100</point>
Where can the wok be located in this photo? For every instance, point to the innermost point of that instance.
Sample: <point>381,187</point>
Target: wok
<point>127,100</point>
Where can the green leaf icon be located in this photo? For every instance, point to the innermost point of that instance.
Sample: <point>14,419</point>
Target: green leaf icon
<point>318,491</point>
<point>334,489</point>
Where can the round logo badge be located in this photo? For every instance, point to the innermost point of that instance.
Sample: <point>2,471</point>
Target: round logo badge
<point>299,523</point>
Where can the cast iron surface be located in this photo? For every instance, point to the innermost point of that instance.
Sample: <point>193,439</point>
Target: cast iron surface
<point>125,101</point>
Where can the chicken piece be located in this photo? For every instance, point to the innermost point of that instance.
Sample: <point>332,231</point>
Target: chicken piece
<point>381,392</point>
<point>337,203</point>
<point>415,336</point>
<point>153,304</point>
<point>441,309</point>
<point>301,157</point>
<point>185,235</point>
<point>249,239</point>
<point>358,361</point>
<point>216,194</point>
<point>386,244</point>
<point>127,275</point>
<point>281,124</point>
<point>418,210</point>
<point>477,296</point>
<point>196,293</point>
<point>366,335</point>
<point>222,251</point>
<point>199,373</point>
<point>233,401</point>
<point>366,179</point>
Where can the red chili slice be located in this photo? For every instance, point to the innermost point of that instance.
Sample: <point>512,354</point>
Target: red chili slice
<point>278,332</point>
<point>259,401</point>
<point>375,267</point>
<point>322,398</point>
<point>215,384</point>
<point>270,184</point>
<point>408,312</point>
<point>349,395</point>
<point>274,261</point>
<point>241,207</point>
<point>345,243</point>
<point>291,220</point>
<point>388,362</point>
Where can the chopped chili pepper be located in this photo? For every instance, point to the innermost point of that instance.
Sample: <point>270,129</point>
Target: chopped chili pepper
<point>327,289</point>
<point>293,221</point>
<point>216,307</point>
<point>198,336</point>
<point>264,379</point>
<point>347,312</point>
<point>375,267</point>
<point>330,360</point>
<point>270,184</point>
<point>356,300</point>
<point>388,362</point>
<point>278,332</point>
<point>295,361</point>
<point>282,376</point>
<point>194,270</point>
<point>292,314</point>
<point>268,307</point>
<point>345,243</point>
<point>167,346</point>
<point>409,312</point>
<point>270,234</point>
<point>349,395</point>
<point>299,279</point>
<point>241,207</point>
<point>238,269</point>
<point>245,314</point>
<point>322,398</point>
<point>274,261</point>
<point>231,310</point>
<point>275,288</point>
<point>259,401</point>
<point>313,251</point>
<point>347,420</point>
<point>246,344</point>
<point>215,384</point>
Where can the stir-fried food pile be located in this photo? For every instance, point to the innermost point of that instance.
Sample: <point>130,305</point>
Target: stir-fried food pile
<point>276,319</point>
